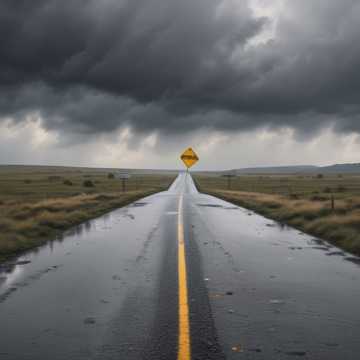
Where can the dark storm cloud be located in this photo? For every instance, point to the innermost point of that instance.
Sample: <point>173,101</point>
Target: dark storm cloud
<point>95,65</point>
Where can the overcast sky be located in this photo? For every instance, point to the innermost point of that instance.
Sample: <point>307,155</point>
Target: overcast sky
<point>132,83</point>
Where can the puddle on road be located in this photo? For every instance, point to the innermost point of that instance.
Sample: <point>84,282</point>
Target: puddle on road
<point>7,294</point>
<point>315,244</point>
<point>138,204</point>
<point>295,353</point>
<point>210,205</point>
<point>171,213</point>
<point>304,242</point>
<point>89,321</point>
<point>16,285</point>
<point>277,301</point>
<point>323,248</point>
<point>294,284</point>
<point>12,270</point>
<point>130,216</point>
<point>9,267</point>
<point>353,259</point>
<point>218,206</point>
<point>335,253</point>
<point>271,225</point>
<point>78,230</point>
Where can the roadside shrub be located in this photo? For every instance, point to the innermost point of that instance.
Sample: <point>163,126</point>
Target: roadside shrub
<point>67,182</point>
<point>111,176</point>
<point>320,176</point>
<point>273,205</point>
<point>327,190</point>
<point>294,196</point>
<point>105,197</point>
<point>88,183</point>
<point>27,181</point>
<point>319,198</point>
<point>54,178</point>
<point>341,188</point>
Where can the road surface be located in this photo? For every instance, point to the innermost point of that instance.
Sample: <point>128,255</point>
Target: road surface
<point>181,275</point>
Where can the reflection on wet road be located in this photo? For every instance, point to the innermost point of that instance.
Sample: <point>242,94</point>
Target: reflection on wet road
<point>276,292</point>
<point>108,289</point>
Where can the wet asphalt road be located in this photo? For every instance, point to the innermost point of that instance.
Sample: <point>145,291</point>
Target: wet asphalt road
<point>108,289</point>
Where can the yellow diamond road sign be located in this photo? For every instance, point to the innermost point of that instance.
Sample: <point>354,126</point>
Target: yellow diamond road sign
<point>189,157</point>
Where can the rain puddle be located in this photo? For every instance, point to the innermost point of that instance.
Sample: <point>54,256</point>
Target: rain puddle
<point>171,213</point>
<point>138,204</point>
<point>210,205</point>
<point>219,206</point>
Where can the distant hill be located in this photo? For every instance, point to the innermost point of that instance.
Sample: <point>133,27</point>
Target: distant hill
<point>341,168</point>
<point>47,168</point>
<point>278,170</point>
<point>297,169</point>
<point>332,169</point>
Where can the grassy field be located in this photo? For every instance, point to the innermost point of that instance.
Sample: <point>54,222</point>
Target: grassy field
<point>38,203</point>
<point>327,206</point>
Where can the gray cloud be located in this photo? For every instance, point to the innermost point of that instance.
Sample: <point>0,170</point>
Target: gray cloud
<point>171,66</point>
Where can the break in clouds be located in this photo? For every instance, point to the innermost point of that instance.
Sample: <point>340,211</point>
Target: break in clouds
<point>169,66</point>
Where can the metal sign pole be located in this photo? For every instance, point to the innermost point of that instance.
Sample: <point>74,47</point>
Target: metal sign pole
<point>123,176</point>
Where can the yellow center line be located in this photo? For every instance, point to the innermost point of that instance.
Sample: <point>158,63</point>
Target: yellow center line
<point>184,352</point>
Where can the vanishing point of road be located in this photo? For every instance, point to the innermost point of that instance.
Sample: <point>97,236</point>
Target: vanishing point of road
<point>181,275</point>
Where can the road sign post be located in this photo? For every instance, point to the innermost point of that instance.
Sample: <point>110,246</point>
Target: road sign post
<point>123,176</point>
<point>332,202</point>
<point>229,177</point>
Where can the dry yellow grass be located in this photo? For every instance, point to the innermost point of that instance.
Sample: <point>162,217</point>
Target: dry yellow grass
<point>37,203</point>
<point>25,225</point>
